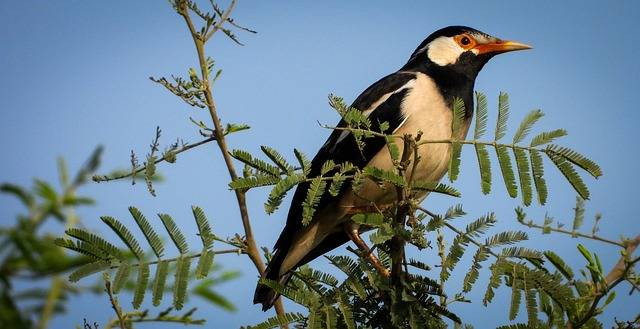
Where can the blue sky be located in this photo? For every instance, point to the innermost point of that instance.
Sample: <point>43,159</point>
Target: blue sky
<point>74,75</point>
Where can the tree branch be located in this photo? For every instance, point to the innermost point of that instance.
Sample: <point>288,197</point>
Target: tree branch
<point>619,270</point>
<point>573,233</point>
<point>198,40</point>
<point>397,242</point>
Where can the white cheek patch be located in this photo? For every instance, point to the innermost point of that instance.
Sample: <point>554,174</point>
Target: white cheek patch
<point>444,51</point>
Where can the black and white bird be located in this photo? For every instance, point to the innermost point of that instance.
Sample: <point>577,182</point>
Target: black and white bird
<point>418,97</point>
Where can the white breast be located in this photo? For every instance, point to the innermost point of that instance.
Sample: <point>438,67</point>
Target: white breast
<point>425,110</point>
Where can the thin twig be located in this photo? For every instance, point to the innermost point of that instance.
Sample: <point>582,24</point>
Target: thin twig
<point>574,233</point>
<point>252,248</point>
<point>114,304</point>
<point>223,18</point>
<point>106,178</point>
<point>215,252</point>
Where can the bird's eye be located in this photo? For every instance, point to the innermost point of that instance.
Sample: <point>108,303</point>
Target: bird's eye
<point>465,41</point>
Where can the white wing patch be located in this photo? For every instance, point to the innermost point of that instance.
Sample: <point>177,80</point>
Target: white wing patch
<point>368,111</point>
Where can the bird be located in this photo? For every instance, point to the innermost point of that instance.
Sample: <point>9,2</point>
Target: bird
<point>417,97</point>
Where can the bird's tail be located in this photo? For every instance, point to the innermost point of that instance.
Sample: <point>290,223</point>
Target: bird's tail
<point>266,295</point>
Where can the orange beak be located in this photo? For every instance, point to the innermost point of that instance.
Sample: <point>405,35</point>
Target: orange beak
<point>500,46</point>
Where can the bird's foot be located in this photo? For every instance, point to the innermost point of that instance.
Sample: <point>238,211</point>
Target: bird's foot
<point>352,231</point>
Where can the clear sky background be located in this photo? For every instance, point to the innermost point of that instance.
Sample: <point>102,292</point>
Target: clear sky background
<point>73,74</point>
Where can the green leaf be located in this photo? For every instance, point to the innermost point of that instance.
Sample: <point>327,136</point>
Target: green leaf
<point>174,232</point>
<point>506,238</point>
<point>83,248</point>
<point>181,281</point>
<point>383,234</point>
<point>149,172</point>
<point>521,252</point>
<point>280,190</point>
<point>454,212</point>
<point>570,174</point>
<point>481,115</point>
<point>141,285</point>
<point>610,298</point>
<point>204,229</point>
<point>507,170</point>
<point>393,148</point>
<point>531,306</point>
<point>526,125</point>
<point>162,270</point>
<point>259,180</point>
<point>235,127</point>
<point>369,219</point>
<point>384,126</point>
<point>494,283</point>
<point>278,320</point>
<point>125,235</point>
<point>455,253</point>
<point>480,256</point>
<point>345,309</point>
<point>336,183</point>
<point>204,263</point>
<point>88,269</point>
<point>458,116</point>
<point>27,199</point>
<point>578,217</point>
<point>485,168</point>
<point>277,158</point>
<point>454,161</point>
<point>538,176</point>
<point>559,264</point>
<point>380,175</point>
<point>304,162</point>
<point>121,277</point>
<point>480,225</point>
<point>522,163</point>
<point>95,241</point>
<point>576,158</point>
<point>314,193</point>
<point>436,188</point>
<point>63,171</point>
<point>516,297</point>
<point>203,290</point>
<point>547,137</point>
<point>152,237</point>
<point>331,320</point>
<point>260,165</point>
<point>503,115</point>
<point>45,191</point>
<point>327,166</point>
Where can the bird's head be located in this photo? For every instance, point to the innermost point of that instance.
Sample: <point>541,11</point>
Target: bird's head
<point>460,49</point>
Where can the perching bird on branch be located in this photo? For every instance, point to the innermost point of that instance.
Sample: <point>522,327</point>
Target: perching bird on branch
<point>418,97</point>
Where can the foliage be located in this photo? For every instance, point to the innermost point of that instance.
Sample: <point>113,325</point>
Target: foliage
<point>27,250</point>
<point>104,256</point>
<point>380,288</point>
<point>30,254</point>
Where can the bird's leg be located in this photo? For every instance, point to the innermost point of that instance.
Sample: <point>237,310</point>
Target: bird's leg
<point>352,231</point>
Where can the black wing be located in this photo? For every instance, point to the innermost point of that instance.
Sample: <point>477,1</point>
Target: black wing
<point>340,148</point>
